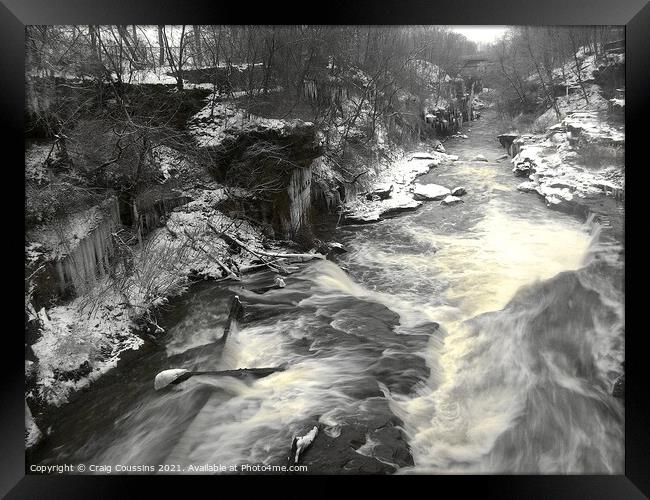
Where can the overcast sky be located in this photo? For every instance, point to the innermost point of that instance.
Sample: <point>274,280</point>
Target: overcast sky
<point>481,34</point>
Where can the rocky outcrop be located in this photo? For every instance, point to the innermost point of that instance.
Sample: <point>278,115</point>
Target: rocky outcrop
<point>270,158</point>
<point>576,166</point>
<point>371,446</point>
<point>430,192</point>
<point>523,167</point>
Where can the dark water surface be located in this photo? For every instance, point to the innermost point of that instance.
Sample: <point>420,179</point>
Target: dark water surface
<point>492,329</point>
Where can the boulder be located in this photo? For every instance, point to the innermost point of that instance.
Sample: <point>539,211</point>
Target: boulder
<point>330,248</point>
<point>528,187</point>
<point>479,158</point>
<point>524,168</point>
<point>451,200</point>
<point>430,192</point>
<point>459,191</point>
<point>336,247</point>
<point>422,156</point>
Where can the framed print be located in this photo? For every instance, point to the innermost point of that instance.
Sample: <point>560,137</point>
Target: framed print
<point>392,244</point>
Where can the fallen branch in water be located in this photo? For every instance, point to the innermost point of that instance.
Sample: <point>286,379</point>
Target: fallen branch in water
<point>245,269</point>
<point>231,241</point>
<point>176,376</point>
<point>235,313</point>
<point>261,253</point>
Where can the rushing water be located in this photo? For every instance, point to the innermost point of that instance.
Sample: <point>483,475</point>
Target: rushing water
<point>493,329</point>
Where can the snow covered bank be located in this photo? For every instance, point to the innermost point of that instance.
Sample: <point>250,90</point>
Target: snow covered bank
<point>579,158</point>
<point>83,339</point>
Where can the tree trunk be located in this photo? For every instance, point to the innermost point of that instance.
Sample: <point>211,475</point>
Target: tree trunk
<point>198,52</point>
<point>578,66</point>
<point>161,46</point>
<point>549,96</point>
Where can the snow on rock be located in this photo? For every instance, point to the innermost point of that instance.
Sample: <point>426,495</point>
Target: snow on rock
<point>566,164</point>
<point>301,443</point>
<point>451,200</point>
<point>33,434</point>
<point>83,339</point>
<point>79,342</point>
<point>217,121</point>
<point>554,196</point>
<point>36,155</point>
<point>524,167</point>
<point>479,158</point>
<point>430,192</point>
<point>169,161</point>
<point>164,378</point>
<point>528,187</point>
<point>401,174</point>
<point>62,238</point>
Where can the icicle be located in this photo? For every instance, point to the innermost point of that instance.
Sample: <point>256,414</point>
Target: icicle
<point>90,258</point>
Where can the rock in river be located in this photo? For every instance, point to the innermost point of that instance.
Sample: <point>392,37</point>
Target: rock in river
<point>459,191</point>
<point>430,192</point>
<point>479,158</point>
<point>451,200</point>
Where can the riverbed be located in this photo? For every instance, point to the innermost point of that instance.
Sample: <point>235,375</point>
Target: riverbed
<point>482,337</point>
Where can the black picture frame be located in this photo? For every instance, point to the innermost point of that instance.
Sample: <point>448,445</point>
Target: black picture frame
<point>634,14</point>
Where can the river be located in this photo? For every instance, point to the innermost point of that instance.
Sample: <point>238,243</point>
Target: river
<point>489,333</point>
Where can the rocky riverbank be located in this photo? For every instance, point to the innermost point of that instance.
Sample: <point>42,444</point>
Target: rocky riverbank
<point>576,166</point>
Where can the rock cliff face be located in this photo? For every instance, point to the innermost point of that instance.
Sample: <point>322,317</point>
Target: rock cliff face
<point>75,251</point>
<point>269,158</point>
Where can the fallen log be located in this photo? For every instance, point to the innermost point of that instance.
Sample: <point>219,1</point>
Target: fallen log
<point>176,376</point>
<point>232,243</point>
<point>263,253</point>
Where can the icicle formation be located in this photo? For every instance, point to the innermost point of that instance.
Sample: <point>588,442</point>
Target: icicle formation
<point>299,191</point>
<point>91,256</point>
